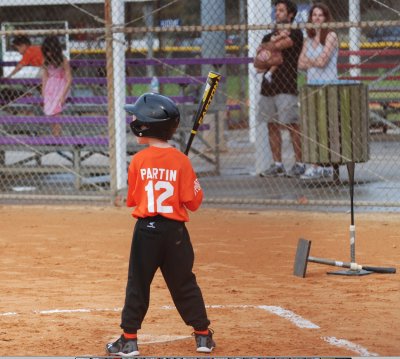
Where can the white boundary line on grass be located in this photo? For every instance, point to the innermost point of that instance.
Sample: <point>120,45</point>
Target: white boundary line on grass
<point>294,318</point>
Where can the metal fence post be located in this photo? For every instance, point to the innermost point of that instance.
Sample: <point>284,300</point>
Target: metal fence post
<point>115,60</point>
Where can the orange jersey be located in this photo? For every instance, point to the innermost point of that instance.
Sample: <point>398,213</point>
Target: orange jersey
<point>162,181</point>
<point>33,56</point>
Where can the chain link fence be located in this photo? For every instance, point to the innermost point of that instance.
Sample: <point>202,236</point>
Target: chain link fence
<point>323,93</point>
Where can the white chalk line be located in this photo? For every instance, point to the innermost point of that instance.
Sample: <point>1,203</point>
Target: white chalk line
<point>82,310</point>
<point>295,319</point>
<point>279,311</point>
<point>291,316</point>
<point>343,343</point>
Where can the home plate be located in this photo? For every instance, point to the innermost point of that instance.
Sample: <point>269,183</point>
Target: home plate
<point>150,339</point>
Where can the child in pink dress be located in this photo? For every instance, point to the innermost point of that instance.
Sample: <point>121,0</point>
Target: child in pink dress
<point>56,80</point>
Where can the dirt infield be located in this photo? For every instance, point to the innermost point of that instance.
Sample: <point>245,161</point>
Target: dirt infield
<point>63,275</point>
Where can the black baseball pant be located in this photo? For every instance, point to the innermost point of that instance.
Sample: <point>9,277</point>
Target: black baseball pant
<point>162,243</point>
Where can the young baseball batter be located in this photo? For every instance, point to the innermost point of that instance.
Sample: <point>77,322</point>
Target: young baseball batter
<point>161,186</point>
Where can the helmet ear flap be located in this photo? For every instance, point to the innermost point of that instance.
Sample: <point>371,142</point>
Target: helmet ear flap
<point>139,128</point>
<point>156,115</point>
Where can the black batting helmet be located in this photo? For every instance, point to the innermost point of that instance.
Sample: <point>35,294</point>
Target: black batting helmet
<point>157,116</point>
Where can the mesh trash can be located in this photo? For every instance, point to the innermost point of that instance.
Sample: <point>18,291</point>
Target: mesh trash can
<point>334,123</point>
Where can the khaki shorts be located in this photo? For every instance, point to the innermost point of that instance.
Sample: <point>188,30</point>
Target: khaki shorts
<point>282,108</point>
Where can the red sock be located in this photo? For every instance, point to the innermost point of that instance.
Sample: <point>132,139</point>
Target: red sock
<point>201,332</point>
<point>130,335</point>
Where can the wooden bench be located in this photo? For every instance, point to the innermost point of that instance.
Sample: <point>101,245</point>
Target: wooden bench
<point>380,110</point>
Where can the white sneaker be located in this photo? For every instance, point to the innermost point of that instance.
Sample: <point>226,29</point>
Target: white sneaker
<point>327,171</point>
<point>274,171</point>
<point>317,172</point>
<point>297,170</point>
<point>312,173</point>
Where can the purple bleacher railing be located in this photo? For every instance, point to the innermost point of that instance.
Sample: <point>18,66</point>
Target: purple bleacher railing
<point>97,100</point>
<point>95,120</point>
<point>91,120</point>
<point>180,80</point>
<point>50,140</point>
<point>158,61</point>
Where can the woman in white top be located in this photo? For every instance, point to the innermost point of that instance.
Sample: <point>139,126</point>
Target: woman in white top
<point>319,57</point>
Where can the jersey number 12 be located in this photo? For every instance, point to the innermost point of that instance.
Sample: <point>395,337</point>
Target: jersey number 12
<point>156,204</point>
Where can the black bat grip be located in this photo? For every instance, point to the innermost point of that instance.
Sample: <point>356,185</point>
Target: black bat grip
<point>380,269</point>
<point>189,144</point>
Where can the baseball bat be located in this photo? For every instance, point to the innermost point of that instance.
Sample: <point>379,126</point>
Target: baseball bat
<point>352,266</point>
<point>211,85</point>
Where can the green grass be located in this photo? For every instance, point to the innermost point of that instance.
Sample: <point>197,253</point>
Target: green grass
<point>165,89</point>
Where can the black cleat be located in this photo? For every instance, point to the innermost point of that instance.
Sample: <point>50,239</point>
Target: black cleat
<point>123,347</point>
<point>205,343</point>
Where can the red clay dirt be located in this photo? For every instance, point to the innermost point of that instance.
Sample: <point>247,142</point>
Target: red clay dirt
<point>63,276</point>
